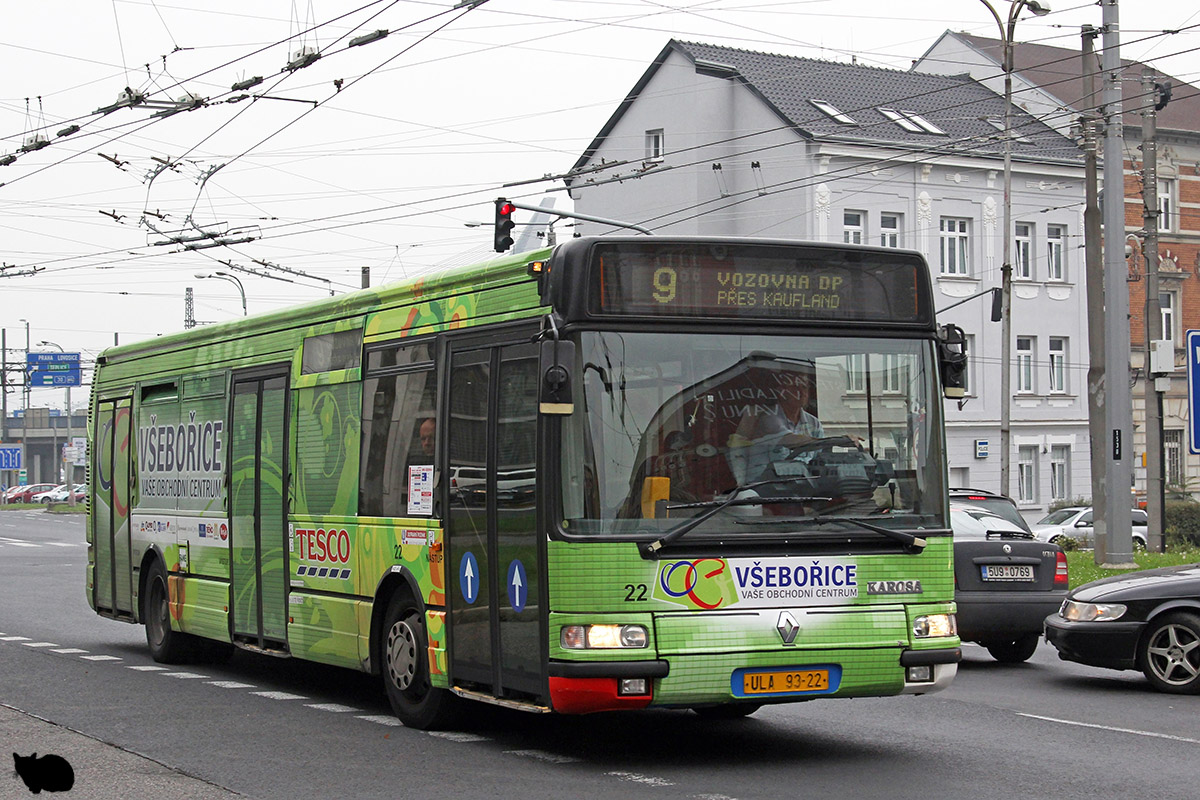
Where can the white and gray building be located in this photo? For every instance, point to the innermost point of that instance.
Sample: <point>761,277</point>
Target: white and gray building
<point>720,141</point>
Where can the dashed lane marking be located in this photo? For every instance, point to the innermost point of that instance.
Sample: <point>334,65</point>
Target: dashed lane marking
<point>100,658</point>
<point>380,719</point>
<point>336,708</point>
<point>636,777</point>
<point>147,668</point>
<point>542,755</point>
<point>459,737</point>
<point>70,651</point>
<point>14,638</point>
<point>184,675</point>
<point>280,696</point>
<point>39,644</point>
<point>230,684</point>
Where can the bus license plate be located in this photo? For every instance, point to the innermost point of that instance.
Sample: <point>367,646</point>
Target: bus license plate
<point>791,680</point>
<point>1007,572</point>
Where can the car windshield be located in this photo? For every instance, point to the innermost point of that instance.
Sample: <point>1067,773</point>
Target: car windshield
<point>1058,517</point>
<point>1000,506</point>
<point>976,523</point>
<point>667,426</point>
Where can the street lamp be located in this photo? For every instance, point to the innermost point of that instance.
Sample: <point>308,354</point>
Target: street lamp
<point>225,276</point>
<point>1006,39</point>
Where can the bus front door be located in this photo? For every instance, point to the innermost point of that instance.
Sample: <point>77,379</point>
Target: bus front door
<point>258,521</point>
<point>495,560</point>
<point>112,573</point>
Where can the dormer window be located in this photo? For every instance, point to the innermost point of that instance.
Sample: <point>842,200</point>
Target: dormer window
<point>830,111</point>
<point>998,124</point>
<point>911,121</point>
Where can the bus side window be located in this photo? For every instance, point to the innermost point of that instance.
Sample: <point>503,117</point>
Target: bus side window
<point>399,431</point>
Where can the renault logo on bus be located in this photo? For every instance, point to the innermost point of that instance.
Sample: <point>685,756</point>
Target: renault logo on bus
<point>787,627</point>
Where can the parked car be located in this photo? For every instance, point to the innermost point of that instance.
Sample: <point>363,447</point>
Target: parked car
<point>49,495</point>
<point>1149,621</point>
<point>59,494</point>
<point>24,494</point>
<point>998,504</point>
<point>1005,583</point>
<point>1076,522</point>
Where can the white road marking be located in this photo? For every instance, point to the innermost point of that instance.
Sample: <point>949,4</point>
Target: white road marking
<point>39,644</point>
<point>148,668</point>
<point>636,777</point>
<point>334,707</point>
<point>380,720</point>
<point>70,651</point>
<point>184,675</point>
<point>542,755</point>
<point>280,696</point>
<point>14,638</point>
<point>100,658</point>
<point>459,737</point>
<point>1133,731</point>
<point>230,684</point>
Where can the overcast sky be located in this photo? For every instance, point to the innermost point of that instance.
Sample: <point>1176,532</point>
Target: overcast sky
<point>384,171</point>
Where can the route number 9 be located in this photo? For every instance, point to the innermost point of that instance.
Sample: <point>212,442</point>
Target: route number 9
<point>664,284</point>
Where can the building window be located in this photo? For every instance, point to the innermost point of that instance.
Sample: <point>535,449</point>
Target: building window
<point>889,230</point>
<point>956,243</point>
<point>911,121</point>
<point>1056,267</point>
<point>831,111</point>
<point>655,145</point>
<point>1025,364</point>
<point>856,381</point>
<point>893,375</point>
<point>1166,306</point>
<point>1173,457</point>
<point>1166,206</point>
<point>853,227</point>
<point>1060,472</point>
<point>1023,251</point>
<point>1058,364</point>
<point>1027,474</point>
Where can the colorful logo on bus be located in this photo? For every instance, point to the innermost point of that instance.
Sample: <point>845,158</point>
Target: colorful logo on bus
<point>702,584</point>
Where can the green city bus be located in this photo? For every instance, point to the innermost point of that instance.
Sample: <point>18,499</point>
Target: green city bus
<point>619,473</point>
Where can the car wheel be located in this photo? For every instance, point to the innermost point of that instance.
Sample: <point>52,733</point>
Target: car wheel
<point>166,646</point>
<point>1139,543</point>
<point>404,662</point>
<point>1169,654</point>
<point>727,711</point>
<point>1015,651</point>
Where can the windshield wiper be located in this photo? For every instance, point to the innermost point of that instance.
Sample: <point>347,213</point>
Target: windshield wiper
<point>717,506</point>
<point>907,539</point>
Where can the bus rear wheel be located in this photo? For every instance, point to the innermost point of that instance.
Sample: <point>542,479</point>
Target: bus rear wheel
<point>404,662</point>
<point>166,646</point>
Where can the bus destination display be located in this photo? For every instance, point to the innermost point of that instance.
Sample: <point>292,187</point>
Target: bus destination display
<point>756,281</point>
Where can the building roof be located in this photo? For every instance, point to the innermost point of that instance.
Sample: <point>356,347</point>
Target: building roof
<point>956,106</point>
<point>1059,71</point>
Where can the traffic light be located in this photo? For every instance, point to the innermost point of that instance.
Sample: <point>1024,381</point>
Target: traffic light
<point>504,224</point>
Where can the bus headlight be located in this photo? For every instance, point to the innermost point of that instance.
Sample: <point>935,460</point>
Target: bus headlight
<point>603,637</point>
<point>1090,612</point>
<point>931,626</point>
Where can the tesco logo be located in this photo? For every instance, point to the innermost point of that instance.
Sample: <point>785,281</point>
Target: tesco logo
<point>324,545</point>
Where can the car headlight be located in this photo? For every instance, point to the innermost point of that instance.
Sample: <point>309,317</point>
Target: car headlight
<point>603,637</point>
<point>931,626</point>
<point>1090,612</point>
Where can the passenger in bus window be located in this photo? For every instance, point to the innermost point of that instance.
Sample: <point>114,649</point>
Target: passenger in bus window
<point>428,432</point>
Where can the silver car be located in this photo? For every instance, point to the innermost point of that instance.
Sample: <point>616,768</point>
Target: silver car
<point>1076,523</point>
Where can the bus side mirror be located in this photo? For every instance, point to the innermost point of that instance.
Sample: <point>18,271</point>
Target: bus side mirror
<point>952,360</point>
<point>556,365</point>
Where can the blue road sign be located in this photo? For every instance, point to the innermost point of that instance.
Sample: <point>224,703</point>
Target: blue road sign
<point>53,369</point>
<point>518,586</point>
<point>10,456</point>
<point>468,577</point>
<point>1193,375</point>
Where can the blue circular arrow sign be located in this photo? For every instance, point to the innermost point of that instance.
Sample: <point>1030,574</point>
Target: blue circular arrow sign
<point>468,577</point>
<point>518,586</point>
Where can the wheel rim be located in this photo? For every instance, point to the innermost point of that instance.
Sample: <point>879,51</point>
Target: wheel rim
<point>402,655</point>
<point>158,619</point>
<point>1174,654</point>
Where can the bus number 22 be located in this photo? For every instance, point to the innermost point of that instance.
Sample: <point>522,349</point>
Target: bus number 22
<point>635,594</point>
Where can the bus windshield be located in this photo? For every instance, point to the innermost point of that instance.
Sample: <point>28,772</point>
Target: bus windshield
<point>798,430</point>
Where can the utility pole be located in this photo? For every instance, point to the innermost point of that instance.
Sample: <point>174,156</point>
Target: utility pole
<point>1115,547</point>
<point>1153,324</point>
<point>1094,274</point>
<point>189,309</point>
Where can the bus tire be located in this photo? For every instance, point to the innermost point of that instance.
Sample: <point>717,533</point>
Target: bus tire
<point>727,711</point>
<point>166,646</point>
<point>404,662</point>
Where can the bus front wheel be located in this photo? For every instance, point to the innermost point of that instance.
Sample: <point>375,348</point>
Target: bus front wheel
<point>405,666</point>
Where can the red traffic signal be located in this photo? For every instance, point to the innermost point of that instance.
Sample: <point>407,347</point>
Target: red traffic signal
<point>504,225</point>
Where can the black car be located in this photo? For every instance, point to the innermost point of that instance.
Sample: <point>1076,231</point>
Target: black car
<point>1147,620</point>
<point>1005,583</point>
<point>998,504</point>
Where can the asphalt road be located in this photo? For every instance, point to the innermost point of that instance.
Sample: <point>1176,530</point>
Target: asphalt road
<point>275,728</point>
